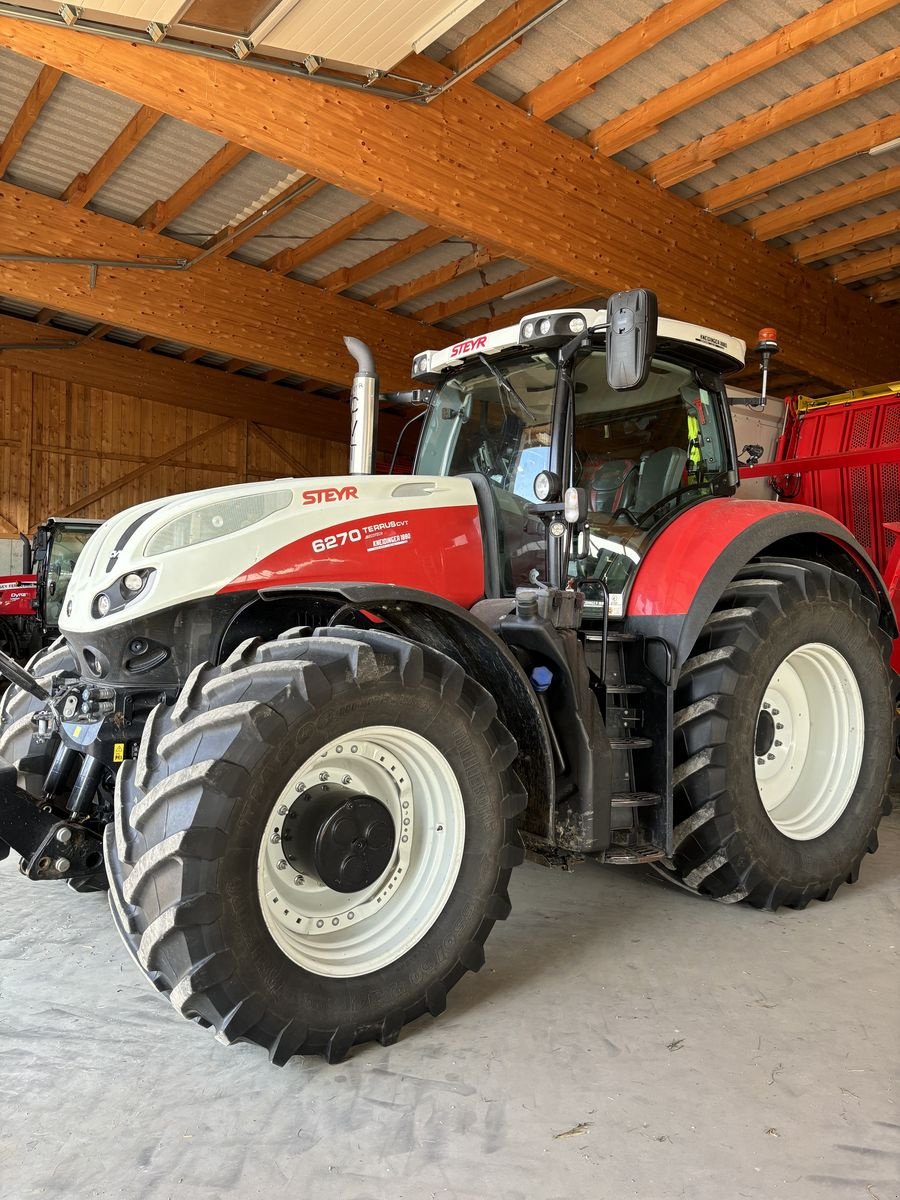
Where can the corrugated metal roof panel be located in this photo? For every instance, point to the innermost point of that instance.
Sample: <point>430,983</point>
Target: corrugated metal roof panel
<point>491,272</point>
<point>308,219</point>
<point>362,245</point>
<point>166,158</point>
<point>413,268</point>
<point>17,76</point>
<point>76,125</point>
<point>253,178</point>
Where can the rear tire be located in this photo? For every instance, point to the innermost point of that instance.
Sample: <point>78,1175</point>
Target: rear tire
<point>194,831</point>
<point>799,631</point>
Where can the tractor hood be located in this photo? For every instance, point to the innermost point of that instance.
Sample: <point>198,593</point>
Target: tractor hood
<point>412,531</point>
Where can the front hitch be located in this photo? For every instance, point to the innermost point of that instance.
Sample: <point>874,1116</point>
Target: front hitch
<point>50,848</point>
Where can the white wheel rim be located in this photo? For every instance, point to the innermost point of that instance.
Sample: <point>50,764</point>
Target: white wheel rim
<point>341,934</point>
<point>810,736</point>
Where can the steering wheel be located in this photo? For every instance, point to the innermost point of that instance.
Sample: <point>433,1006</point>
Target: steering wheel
<point>671,498</point>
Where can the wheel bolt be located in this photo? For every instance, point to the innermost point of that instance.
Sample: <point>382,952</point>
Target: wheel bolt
<point>777,743</point>
<point>301,787</point>
<point>347,779</point>
<point>774,712</point>
<point>770,757</point>
<point>778,725</point>
<point>323,775</point>
<point>276,838</point>
<point>298,879</point>
<point>760,761</point>
<point>766,704</point>
<point>281,864</point>
<point>282,810</point>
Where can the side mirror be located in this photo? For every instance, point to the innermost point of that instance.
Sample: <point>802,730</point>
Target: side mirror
<point>630,338</point>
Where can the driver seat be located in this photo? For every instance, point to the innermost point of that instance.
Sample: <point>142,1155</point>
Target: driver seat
<point>661,473</point>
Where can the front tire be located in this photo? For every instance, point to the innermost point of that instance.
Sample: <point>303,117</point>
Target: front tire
<point>783,739</point>
<point>18,742</point>
<point>257,865</point>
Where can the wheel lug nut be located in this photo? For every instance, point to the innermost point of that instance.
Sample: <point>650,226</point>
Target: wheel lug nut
<point>777,743</point>
<point>770,757</point>
<point>347,779</point>
<point>298,879</point>
<point>766,704</point>
<point>323,775</point>
<point>778,725</point>
<point>760,761</point>
<point>282,810</point>
<point>281,864</point>
<point>276,838</point>
<point>301,787</point>
<point>774,712</point>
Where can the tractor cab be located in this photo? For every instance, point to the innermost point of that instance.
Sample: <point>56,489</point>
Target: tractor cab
<point>58,543</point>
<point>536,413</point>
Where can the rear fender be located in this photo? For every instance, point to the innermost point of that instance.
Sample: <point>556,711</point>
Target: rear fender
<point>452,630</point>
<point>697,555</point>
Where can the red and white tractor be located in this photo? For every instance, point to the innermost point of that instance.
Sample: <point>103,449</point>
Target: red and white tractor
<point>311,725</point>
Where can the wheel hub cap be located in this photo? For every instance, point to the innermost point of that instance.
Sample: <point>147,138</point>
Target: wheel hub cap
<point>346,839</point>
<point>808,746</point>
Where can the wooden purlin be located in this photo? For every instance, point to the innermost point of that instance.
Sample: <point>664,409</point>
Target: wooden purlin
<point>223,305</point>
<point>85,186</point>
<point>812,29</point>
<point>163,212</point>
<point>503,180</point>
<point>848,237</point>
<point>40,92</point>
<point>791,217</point>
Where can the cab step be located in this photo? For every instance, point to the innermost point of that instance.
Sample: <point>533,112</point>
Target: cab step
<point>635,799</point>
<point>631,856</point>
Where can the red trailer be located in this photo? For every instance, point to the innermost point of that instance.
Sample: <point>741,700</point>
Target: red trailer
<point>841,454</point>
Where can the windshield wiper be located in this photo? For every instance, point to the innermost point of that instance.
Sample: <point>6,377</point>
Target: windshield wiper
<point>506,386</point>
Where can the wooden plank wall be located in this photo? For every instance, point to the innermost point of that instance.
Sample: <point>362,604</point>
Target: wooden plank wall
<point>66,449</point>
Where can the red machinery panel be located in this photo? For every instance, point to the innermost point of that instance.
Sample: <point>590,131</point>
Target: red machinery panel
<point>18,594</point>
<point>864,497</point>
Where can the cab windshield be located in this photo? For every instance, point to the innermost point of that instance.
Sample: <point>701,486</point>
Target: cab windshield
<point>639,456</point>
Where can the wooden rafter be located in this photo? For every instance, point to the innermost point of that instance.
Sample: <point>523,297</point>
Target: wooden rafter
<point>570,230</point>
<point>347,277</point>
<point>31,108</point>
<point>885,292</point>
<point>166,380</point>
<point>288,260</point>
<point>502,26</point>
<point>755,185</point>
<point>85,186</point>
<point>795,216</point>
<point>222,305</point>
<point>837,241</point>
<point>163,212</point>
<point>864,266</point>
<point>229,239</point>
<point>700,155</point>
<point>818,26</point>
<point>578,81</point>
<point>483,295</point>
<point>393,297</point>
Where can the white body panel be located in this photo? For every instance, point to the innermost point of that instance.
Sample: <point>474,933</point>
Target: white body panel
<point>201,570</point>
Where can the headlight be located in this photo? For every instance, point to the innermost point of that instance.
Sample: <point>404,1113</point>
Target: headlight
<point>122,592</point>
<point>103,604</point>
<point>216,520</point>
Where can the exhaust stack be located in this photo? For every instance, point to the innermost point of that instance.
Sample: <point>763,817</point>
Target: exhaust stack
<point>363,409</point>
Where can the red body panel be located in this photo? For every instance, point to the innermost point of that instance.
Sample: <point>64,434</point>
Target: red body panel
<point>437,550</point>
<point>678,561</point>
<point>18,595</point>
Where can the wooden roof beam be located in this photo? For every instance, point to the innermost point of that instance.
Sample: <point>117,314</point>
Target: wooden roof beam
<point>85,186</point>
<point>756,185</point>
<point>530,192</point>
<point>282,322</point>
<point>812,29</point>
<point>792,217</point>
<point>886,291</point>
<point>501,27</point>
<point>347,277</point>
<point>578,81</point>
<point>157,377</point>
<point>163,212</point>
<point>838,241</point>
<point>864,266</point>
<point>443,309</point>
<point>32,106</point>
<point>393,297</point>
<point>287,260</point>
<point>705,152</point>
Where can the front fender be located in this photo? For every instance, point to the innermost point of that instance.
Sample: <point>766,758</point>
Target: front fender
<point>697,555</point>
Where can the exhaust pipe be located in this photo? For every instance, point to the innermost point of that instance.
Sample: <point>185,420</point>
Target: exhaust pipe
<point>363,409</point>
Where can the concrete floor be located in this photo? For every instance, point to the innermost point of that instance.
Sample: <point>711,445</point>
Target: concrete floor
<point>624,1040</point>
